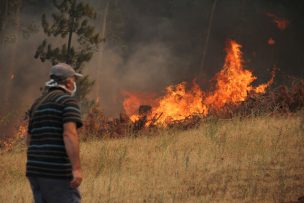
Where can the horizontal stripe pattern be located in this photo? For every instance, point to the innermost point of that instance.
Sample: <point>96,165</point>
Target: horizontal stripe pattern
<point>46,155</point>
<point>47,129</point>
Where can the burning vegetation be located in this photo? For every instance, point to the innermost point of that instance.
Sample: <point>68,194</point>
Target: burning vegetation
<point>184,106</point>
<point>233,86</point>
<point>8,142</point>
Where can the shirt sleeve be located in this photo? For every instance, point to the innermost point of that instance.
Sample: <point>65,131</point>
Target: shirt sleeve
<point>71,112</point>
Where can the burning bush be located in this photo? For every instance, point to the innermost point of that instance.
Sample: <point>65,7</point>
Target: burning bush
<point>233,86</point>
<point>96,124</point>
<point>282,99</point>
<point>184,107</point>
<point>15,136</point>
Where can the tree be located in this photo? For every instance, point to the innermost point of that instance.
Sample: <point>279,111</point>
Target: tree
<point>72,18</point>
<point>9,20</point>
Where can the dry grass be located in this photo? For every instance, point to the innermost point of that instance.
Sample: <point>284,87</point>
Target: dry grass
<point>252,160</point>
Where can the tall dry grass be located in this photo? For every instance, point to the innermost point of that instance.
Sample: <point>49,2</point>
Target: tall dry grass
<point>251,160</point>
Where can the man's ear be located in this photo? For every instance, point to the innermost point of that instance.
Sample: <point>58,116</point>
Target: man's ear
<point>69,83</point>
<point>68,80</point>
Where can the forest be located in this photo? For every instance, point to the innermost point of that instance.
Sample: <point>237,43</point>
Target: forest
<point>181,100</point>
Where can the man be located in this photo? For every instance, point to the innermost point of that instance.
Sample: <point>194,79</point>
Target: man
<point>53,163</point>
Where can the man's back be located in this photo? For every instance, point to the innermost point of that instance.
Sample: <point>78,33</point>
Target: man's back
<point>47,156</point>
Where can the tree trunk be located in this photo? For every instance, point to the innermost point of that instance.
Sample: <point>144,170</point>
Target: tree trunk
<point>68,59</point>
<point>211,16</point>
<point>103,36</point>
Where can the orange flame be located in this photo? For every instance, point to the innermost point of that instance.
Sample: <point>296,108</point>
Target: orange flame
<point>262,88</point>
<point>233,81</point>
<point>271,41</point>
<point>133,100</point>
<point>178,104</point>
<point>281,23</point>
<point>233,84</point>
<point>21,130</point>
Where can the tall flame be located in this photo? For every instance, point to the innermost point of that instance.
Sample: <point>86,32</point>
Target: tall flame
<point>233,81</point>
<point>233,84</point>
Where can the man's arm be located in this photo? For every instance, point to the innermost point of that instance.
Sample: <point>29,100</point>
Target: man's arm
<point>71,142</point>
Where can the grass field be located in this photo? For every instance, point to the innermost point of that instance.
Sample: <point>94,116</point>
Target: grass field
<point>238,160</point>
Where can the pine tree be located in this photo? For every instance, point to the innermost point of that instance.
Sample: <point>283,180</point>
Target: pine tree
<point>72,24</point>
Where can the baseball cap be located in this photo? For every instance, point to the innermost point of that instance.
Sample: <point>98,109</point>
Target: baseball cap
<point>63,70</point>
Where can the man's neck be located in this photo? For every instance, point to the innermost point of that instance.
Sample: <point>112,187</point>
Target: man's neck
<point>60,87</point>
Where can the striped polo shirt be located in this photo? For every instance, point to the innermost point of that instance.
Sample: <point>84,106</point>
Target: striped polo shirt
<point>46,155</point>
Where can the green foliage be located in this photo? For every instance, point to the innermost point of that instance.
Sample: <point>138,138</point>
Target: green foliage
<point>72,19</point>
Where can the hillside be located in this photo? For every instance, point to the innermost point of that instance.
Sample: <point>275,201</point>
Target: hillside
<point>238,160</point>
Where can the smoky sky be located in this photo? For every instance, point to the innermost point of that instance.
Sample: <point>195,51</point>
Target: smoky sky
<point>152,44</point>
<point>183,31</point>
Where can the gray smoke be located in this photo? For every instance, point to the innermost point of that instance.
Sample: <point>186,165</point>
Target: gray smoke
<point>151,44</point>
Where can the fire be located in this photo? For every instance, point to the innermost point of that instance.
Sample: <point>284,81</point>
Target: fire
<point>133,100</point>
<point>262,88</point>
<point>281,23</point>
<point>233,82</point>
<point>12,76</point>
<point>271,41</point>
<point>8,143</point>
<point>178,104</point>
<point>233,85</point>
<point>21,130</point>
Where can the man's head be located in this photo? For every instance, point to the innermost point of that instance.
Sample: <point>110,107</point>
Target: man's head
<point>64,74</point>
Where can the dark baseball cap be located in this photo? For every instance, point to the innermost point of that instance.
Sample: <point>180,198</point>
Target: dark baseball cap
<point>63,70</point>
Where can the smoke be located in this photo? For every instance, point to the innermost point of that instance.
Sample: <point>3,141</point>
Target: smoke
<point>21,79</point>
<point>151,44</point>
<point>149,69</point>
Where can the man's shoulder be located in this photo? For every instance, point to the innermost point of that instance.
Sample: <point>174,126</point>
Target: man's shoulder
<point>63,97</point>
